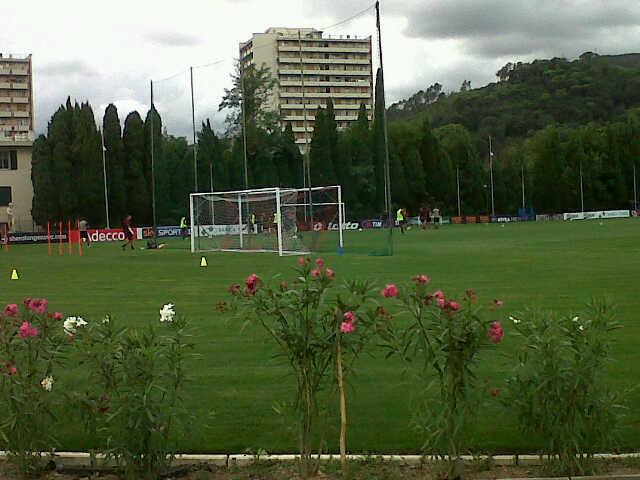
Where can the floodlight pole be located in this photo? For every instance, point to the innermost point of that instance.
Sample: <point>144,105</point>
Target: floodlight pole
<point>195,143</point>
<point>244,125</point>
<point>153,168</point>
<point>458,189</point>
<point>387,176</point>
<point>522,181</point>
<point>104,175</point>
<point>493,207</point>
<point>581,190</point>
<point>635,189</point>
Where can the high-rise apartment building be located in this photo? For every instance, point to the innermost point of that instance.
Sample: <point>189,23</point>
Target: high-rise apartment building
<point>16,141</point>
<point>311,68</point>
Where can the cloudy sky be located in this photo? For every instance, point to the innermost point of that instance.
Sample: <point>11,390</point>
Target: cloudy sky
<point>108,51</point>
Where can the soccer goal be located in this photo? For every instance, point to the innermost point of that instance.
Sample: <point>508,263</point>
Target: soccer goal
<point>287,221</point>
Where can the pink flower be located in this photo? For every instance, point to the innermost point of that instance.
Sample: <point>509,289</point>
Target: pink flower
<point>421,279</point>
<point>251,283</point>
<point>494,392</point>
<point>319,262</point>
<point>438,294</point>
<point>302,261</point>
<point>38,305</point>
<point>57,316</point>
<point>315,272</point>
<point>495,333</point>
<point>498,303</point>
<point>347,327</point>
<point>11,369</point>
<point>454,305</point>
<point>26,330</point>
<point>11,310</point>
<point>329,273</point>
<point>441,302</point>
<point>390,291</point>
<point>349,317</point>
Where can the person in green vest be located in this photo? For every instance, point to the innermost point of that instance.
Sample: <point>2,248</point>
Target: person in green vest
<point>184,229</point>
<point>401,218</point>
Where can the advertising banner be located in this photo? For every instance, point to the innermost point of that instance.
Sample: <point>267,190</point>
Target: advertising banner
<point>372,223</point>
<point>106,235</point>
<point>35,237</point>
<point>600,214</point>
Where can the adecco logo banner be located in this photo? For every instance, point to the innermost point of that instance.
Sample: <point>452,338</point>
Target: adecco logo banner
<point>108,235</point>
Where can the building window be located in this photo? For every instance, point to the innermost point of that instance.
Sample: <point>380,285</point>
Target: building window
<point>5,196</point>
<point>8,160</point>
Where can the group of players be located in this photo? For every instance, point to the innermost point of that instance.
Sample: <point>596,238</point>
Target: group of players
<point>427,217</point>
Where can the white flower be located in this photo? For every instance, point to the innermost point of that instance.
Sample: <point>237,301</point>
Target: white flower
<point>167,313</point>
<point>71,324</point>
<point>575,319</point>
<point>514,320</point>
<point>47,383</point>
<point>581,328</point>
<point>106,319</point>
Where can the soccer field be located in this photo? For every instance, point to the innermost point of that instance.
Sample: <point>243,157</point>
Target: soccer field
<point>553,265</point>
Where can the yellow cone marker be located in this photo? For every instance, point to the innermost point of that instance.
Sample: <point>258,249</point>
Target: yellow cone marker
<point>14,274</point>
<point>203,262</point>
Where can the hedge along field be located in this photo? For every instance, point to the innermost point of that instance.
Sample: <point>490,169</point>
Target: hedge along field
<point>236,380</point>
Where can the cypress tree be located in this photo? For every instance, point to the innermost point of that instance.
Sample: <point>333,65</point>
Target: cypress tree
<point>115,161</point>
<point>135,181</point>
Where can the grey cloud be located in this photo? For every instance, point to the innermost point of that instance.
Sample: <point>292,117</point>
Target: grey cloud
<point>493,28</point>
<point>173,39</point>
<point>65,68</point>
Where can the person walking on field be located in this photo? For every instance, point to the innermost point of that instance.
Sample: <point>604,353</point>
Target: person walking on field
<point>184,229</point>
<point>83,226</point>
<point>128,233</point>
<point>401,219</point>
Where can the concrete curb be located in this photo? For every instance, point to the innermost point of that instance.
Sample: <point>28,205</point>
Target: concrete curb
<point>81,460</point>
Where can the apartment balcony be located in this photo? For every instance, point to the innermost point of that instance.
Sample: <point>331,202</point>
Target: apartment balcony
<point>20,86</point>
<point>329,49</point>
<point>21,114</point>
<point>19,99</point>
<point>5,99</point>
<point>5,114</point>
<point>301,129</point>
<point>314,106</point>
<point>315,83</point>
<point>13,71</point>
<point>17,139</point>
<point>324,95</point>
<point>325,61</point>
<point>350,73</point>
<point>5,85</point>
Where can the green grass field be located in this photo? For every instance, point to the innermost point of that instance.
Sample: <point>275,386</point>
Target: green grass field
<point>552,265</point>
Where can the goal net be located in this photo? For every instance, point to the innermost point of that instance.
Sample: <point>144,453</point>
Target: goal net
<point>282,220</point>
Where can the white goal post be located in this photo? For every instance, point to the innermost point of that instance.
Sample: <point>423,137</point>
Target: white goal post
<point>286,221</point>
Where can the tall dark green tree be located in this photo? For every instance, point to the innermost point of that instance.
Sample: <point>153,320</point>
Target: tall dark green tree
<point>135,180</point>
<point>324,147</point>
<point>115,161</point>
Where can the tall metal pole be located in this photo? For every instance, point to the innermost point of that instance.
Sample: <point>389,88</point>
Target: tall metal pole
<point>581,190</point>
<point>387,186</point>
<point>493,206</point>
<point>195,143</point>
<point>244,125</point>
<point>635,189</point>
<point>522,180</point>
<point>306,160</point>
<point>104,174</point>
<point>458,190</point>
<point>153,168</point>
